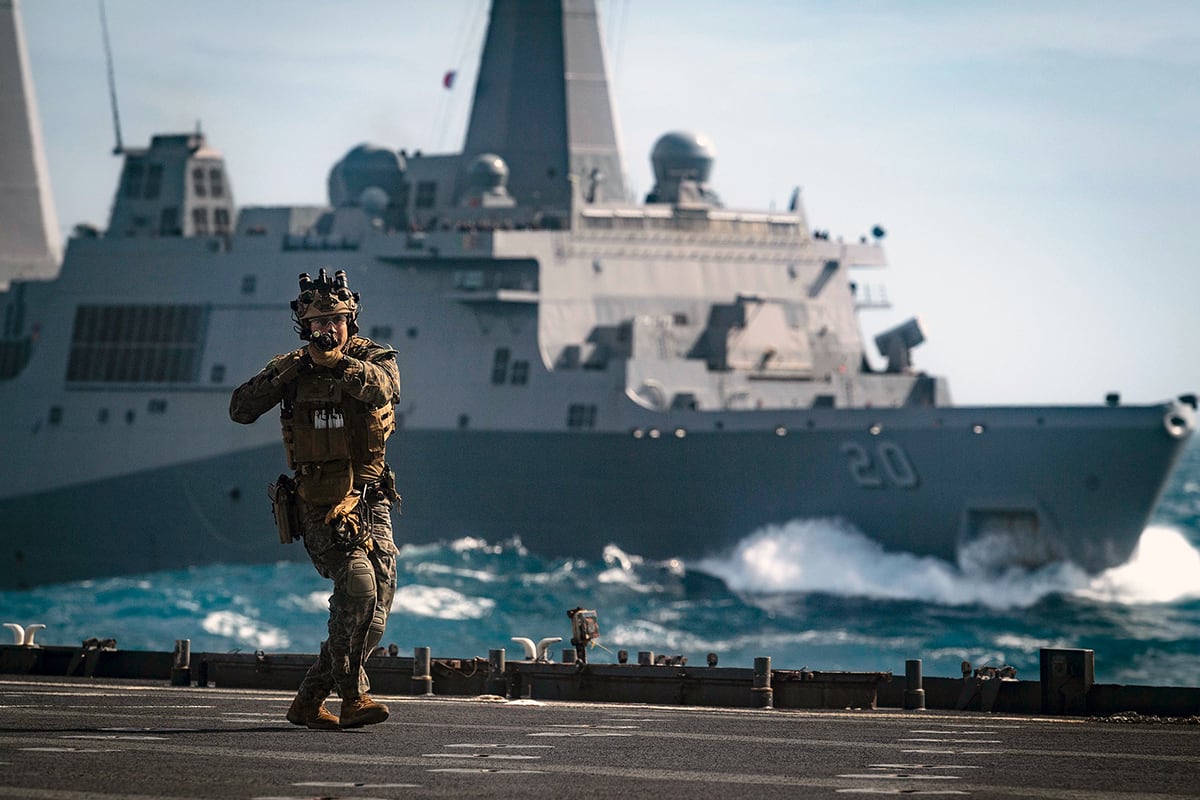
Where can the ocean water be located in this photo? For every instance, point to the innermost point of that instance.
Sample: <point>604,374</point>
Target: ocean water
<point>810,593</point>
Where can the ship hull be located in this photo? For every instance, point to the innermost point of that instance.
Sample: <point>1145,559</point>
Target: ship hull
<point>1067,483</point>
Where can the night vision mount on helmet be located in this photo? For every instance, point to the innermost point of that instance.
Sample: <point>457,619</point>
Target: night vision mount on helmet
<point>323,297</point>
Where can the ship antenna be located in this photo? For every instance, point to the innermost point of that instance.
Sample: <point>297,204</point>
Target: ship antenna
<point>119,148</point>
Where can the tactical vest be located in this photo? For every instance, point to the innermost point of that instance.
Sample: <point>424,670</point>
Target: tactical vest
<point>334,442</point>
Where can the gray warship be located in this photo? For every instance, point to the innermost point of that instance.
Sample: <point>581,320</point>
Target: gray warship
<point>579,368</point>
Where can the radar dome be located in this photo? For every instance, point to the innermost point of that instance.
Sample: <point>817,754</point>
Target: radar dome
<point>682,163</point>
<point>487,172</point>
<point>682,155</point>
<point>364,167</point>
<point>374,200</point>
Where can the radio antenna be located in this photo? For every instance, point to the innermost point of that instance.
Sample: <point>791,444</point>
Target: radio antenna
<point>119,148</point>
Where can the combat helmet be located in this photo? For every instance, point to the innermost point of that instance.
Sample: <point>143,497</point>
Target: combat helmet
<point>322,297</point>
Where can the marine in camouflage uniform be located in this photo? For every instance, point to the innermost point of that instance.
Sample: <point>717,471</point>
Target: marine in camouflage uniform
<point>336,397</point>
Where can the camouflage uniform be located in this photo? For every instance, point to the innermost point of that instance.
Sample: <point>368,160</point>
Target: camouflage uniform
<point>349,540</point>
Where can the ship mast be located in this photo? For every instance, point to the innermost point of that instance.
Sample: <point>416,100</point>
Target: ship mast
<point>118,148</point>
<point>542,101</point>
<point>29,245</point>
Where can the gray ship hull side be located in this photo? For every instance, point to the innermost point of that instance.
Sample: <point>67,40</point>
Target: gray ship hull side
<point>1089,490</point>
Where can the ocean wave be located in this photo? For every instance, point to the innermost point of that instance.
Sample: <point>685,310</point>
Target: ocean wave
<point>1165,568</point>
<point>440,602</point>
<point>480,575</point>
<point>245,630</point>
<point>832,557</point>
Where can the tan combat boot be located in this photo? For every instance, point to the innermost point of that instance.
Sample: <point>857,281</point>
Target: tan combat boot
<point>312,715</point>
<point>362,710</point>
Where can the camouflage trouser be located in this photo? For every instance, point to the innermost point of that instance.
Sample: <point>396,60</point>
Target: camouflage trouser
<point>364,583</point>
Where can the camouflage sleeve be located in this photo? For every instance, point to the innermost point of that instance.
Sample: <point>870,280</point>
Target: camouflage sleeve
<point>263,392</point>
<point>371,375</point>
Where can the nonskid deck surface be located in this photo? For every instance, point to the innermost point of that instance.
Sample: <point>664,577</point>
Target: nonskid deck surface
<point>75,738</point>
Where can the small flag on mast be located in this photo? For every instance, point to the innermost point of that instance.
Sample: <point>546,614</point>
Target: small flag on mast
<point>448,79</point>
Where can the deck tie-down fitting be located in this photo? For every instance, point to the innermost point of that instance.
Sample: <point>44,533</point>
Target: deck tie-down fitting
<point>984,683</point>
<point>539,651</point>
<point>23,637</point>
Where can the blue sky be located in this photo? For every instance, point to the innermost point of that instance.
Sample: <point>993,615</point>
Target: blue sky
<point>1034,163</point>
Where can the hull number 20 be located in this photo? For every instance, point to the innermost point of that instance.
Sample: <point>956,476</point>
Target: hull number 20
<point>888,466</point>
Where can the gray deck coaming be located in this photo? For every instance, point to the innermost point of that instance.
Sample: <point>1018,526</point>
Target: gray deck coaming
<point>571,494</point>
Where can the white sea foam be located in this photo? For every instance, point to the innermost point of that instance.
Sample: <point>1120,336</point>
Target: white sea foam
<point>468,543</point>
<point>1027,644</point>
<point>619,559</point>
<point>653,635</point>
<point>440,603</point>
<point>417,599</point>
<point>566,571</point>
<point>315,601</point>
<point>832,557</point>
<point>625,569</point>
<point>1165,568</point>
<point>430,568</point>
<point>246,630</point>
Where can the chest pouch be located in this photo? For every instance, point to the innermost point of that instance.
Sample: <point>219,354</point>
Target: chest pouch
<point>317,429</point>
<point>369,435</point>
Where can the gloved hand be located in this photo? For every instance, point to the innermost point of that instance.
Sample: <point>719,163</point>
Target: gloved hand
<point>345,522</point>
<point>325,358</point>
<point>287,366</point>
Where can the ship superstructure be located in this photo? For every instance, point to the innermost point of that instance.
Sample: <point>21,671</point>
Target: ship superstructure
<point>28,223</point>
<point>578,368</point>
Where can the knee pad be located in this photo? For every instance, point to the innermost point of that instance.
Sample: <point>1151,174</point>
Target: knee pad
<point>377,629</point>
<point>360,578</point>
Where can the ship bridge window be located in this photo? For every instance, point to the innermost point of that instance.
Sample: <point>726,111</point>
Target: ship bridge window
<point>581,416</point>
<point>200,221</point>
<point>198,182</point>
<point>216,180</point>
<point>56,415</point>
<point>500,366</point>
<point>426,194</point>
<point>153,182</point>
<point>381,333</point>
<point>137,344</point>
<point>221,220</point>
<point>134,172</point>
<point>168,224</point>
<point>217,374</point>
<point>520,372</point>
<point>249,284</point>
